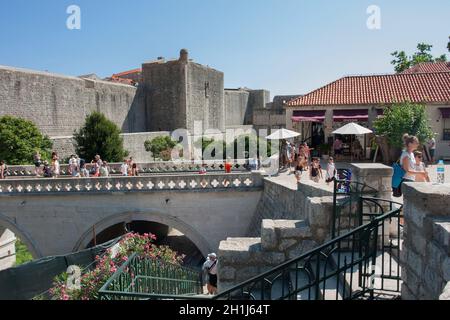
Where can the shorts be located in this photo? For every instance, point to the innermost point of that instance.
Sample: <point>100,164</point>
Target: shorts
<point>432,153</point>
<point>338,151</point>
<point>212,280</point>
<point>38,164</point>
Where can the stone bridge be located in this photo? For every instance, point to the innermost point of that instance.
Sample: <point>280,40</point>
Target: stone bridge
<point>59,216</point>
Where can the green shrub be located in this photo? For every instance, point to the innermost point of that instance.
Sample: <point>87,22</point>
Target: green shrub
<point>20,139</point>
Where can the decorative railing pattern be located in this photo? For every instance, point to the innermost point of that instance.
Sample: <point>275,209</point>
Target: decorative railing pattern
<point>141,278</point>
<point>345,268</point>
<point>183,182</point>
<point>143,168</point>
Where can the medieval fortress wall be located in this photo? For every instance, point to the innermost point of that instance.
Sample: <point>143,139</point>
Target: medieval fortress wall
<point>58,105</point>
<point>171,95</point>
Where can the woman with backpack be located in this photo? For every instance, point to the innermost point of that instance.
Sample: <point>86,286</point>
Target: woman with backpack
<point>407,166</point>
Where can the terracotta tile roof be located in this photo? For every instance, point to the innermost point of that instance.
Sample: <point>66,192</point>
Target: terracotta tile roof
<point>380,89</point>
<point>429,67</point>
<point>126,73</point>
<point>122,80</point>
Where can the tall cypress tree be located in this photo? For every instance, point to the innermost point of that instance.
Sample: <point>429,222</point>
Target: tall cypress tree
<point>100,136</point>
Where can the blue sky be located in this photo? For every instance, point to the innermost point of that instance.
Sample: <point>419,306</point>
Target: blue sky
<point>285,46</point>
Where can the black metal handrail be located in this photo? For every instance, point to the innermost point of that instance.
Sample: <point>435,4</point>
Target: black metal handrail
<point>346,194</point>
<point>144,278</point>
<point>334,262</point>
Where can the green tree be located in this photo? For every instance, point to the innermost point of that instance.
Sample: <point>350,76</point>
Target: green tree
<point>403,62</point>
<point>160,147</point>
<point>100,136</point>
<point>210,148</point>
<point>399,119</point>
<point>20,139</point>
<point>245,142</point>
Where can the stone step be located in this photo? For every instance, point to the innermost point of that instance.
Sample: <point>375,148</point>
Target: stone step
<point>391,267</point>
<point>282,234</point>
<point>331,288</point>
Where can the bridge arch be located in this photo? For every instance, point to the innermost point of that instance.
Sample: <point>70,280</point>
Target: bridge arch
<point>10,224</point>
<point>147,216</point>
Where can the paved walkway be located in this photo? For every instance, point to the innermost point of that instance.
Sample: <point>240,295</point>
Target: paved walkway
<point>288,179</point>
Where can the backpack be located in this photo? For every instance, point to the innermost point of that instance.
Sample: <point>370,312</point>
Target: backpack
<point>397,179</point>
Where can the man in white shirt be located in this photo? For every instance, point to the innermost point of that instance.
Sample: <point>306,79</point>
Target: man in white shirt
<point>432,148</point>
<point>210,267</point>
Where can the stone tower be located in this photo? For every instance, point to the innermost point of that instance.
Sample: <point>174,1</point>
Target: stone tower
<point>180,92</point>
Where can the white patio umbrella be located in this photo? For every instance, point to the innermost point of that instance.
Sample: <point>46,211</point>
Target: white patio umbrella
<point>352,129</point>
<point>283,134</point>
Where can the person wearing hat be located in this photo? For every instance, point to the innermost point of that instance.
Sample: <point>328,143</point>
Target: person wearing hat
<point>210,267</point>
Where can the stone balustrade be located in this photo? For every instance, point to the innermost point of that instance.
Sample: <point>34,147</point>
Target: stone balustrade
<point>425,255</point>
<point>143,168</point>
<point>186,182</point>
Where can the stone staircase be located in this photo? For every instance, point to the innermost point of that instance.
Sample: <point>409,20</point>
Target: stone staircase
<point>244,258</point>
<point>241,259</point>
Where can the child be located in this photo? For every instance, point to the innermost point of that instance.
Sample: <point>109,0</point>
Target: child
<point>2,170</point>
<point>299,168</point>
<point>420,166</point>
<point>47,170</point>
<point>315,172</point>
<point>331,171</point>
<point>124,168</point>
<point>104,172</point>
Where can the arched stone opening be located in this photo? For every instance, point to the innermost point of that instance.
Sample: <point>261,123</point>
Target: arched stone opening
<point>9,224</point>
<point>169,231</point>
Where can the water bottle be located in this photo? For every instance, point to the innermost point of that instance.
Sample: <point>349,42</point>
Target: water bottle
<point>441,172</point>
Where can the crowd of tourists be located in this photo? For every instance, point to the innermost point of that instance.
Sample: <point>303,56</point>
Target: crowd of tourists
<point>77,167</point>
<point>299,158</point>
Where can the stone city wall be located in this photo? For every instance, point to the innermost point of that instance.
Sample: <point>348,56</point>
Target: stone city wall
<point>58,105</point>
<point>425,256</point>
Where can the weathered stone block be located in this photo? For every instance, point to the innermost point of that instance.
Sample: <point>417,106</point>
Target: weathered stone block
<point>286,244</point>
<point>433,282</point>
<point>270,258</point>
<point>406,293</point>
<point>297,229</point>
<point>446,269</point>
<point>303,247</point>
<point>417,242</point>
<point>415,263</point>
<point>244,274</point>
<point>226,273</point>
<point>435,255</point>
<point>441,233</point>
<point>269,240</point>
<point>238,250</point>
